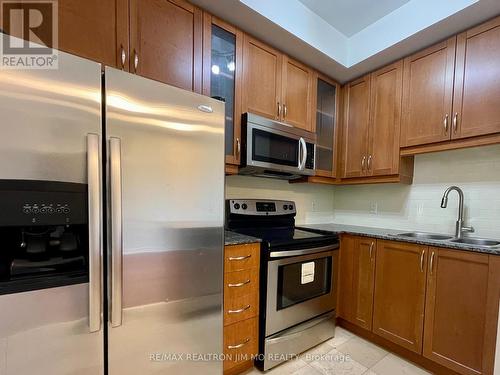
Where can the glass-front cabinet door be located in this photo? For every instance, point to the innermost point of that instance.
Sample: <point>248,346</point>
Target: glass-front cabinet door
<point>222,78</point>
<point>327,96</point>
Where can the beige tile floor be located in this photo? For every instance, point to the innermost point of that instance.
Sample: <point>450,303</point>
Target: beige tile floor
<point>345,354</point>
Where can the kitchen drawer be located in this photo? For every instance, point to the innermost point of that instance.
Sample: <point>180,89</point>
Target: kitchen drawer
<point>240,283</point>
<point>240,342</point>
<point>241,257</point>
<point>241,308</point>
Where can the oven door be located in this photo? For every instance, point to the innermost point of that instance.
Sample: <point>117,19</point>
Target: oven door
<point>299,288</point>
<point>274,149</point>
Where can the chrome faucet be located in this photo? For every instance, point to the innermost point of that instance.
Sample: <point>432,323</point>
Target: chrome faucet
<point>460,227</point>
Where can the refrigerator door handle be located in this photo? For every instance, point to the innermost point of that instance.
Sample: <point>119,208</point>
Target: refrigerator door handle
<point>115,180</point>
<point>95,238</point>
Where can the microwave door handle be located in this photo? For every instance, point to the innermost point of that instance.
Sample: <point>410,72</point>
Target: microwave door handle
<point>115,179</point>
<point>95,237</point>
<point>302,163</point>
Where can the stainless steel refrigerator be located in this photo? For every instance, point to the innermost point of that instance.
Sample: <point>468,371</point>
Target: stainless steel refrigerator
<point>111,228</point>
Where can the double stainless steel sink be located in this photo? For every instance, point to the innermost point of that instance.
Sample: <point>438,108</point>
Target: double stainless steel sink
<point>482,242</point>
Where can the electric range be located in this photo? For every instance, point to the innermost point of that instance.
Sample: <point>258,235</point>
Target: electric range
<point>297,278</point>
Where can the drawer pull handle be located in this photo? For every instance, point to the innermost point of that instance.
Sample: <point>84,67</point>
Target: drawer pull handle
<point>237,285</point>
<point>241,257</point>
<point>237,346</point>
<point>239,310</point>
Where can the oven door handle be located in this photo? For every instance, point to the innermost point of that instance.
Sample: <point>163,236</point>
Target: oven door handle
<point>293,253</point>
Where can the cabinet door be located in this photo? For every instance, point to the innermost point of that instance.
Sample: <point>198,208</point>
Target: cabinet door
<point>385,121</point>
<point>166,42</point>
<point>357,109</point>
<point>94,29</point>
<point>427,95</point>
<point>222,66</point>
<point>345,277</point>
<point>363,282</point>
<point>261,90</point>
<point>477,81</point>
<point>400,281</point>
<point>357,280</point>
<point>297,81</point>
<point>326,103</point>
<point>456,310</point>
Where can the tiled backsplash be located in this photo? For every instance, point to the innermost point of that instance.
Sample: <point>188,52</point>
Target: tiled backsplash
<point>412,207</point>
<point>417,206</point>
<point>314,202</point>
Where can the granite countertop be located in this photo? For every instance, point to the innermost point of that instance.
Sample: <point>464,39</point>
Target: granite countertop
<point>390,234</point>
<point>232,238</point>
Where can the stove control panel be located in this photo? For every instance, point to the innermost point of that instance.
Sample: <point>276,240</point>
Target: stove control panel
<point>261,207</point>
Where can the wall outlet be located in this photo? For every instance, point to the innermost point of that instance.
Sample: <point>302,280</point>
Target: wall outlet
<point>373,208</point>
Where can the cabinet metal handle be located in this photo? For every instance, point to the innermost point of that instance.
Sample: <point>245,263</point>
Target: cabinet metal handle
<point>237,285</point>
<point>95,236</point>
<point>455,122</point>
<point>123,56</point>
<point>285,111</point>
<point>240,345</point>
<point>431,264</point>
<point>136,61</point>
<point>363,163</point>
<point>371,249</point>
<point>238,146</point>
<point>279,110</point>
<point>369,163</point>
<point>115,178</point>
<point>445,123</point>
<point>422,261</point>
<point>243,257</point>
<point>239,310</point>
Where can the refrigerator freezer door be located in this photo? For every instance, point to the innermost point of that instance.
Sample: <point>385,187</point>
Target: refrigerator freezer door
<point>46,117</point>
<point>166,160</point>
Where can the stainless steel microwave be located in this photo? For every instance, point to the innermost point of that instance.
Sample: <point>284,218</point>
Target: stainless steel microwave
<point>274,149</point>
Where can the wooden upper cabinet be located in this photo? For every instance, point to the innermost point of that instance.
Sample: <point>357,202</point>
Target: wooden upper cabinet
<point>222,77</point>
<point>166,42</point>
<point>94,29</point>
<point>457,314</point>
<point>385,120</point>
<point>326,104</point>
<point>297,83</point>
<point>477,81</point>
<point>427,95</point>
<point>356,122</point>
<point>261,90</point>
<point>400,283</point>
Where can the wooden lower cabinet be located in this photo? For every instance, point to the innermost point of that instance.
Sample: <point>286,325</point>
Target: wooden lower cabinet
<point>356,280</point>
<point>240,344</point>
<point>458,314</point>
<point>400,281</point>
<point>438,307</point>
<point>241,306</point>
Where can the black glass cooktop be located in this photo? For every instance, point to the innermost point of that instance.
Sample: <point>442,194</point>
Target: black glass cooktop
<point>286,237</point>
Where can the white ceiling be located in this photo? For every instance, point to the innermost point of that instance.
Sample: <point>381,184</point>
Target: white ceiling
<point>351,16</point>
<point>319,32</point>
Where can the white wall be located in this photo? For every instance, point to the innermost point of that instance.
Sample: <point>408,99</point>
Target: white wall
<point>417,206</point>
<point>412,207</point>
<point>314,202</point>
